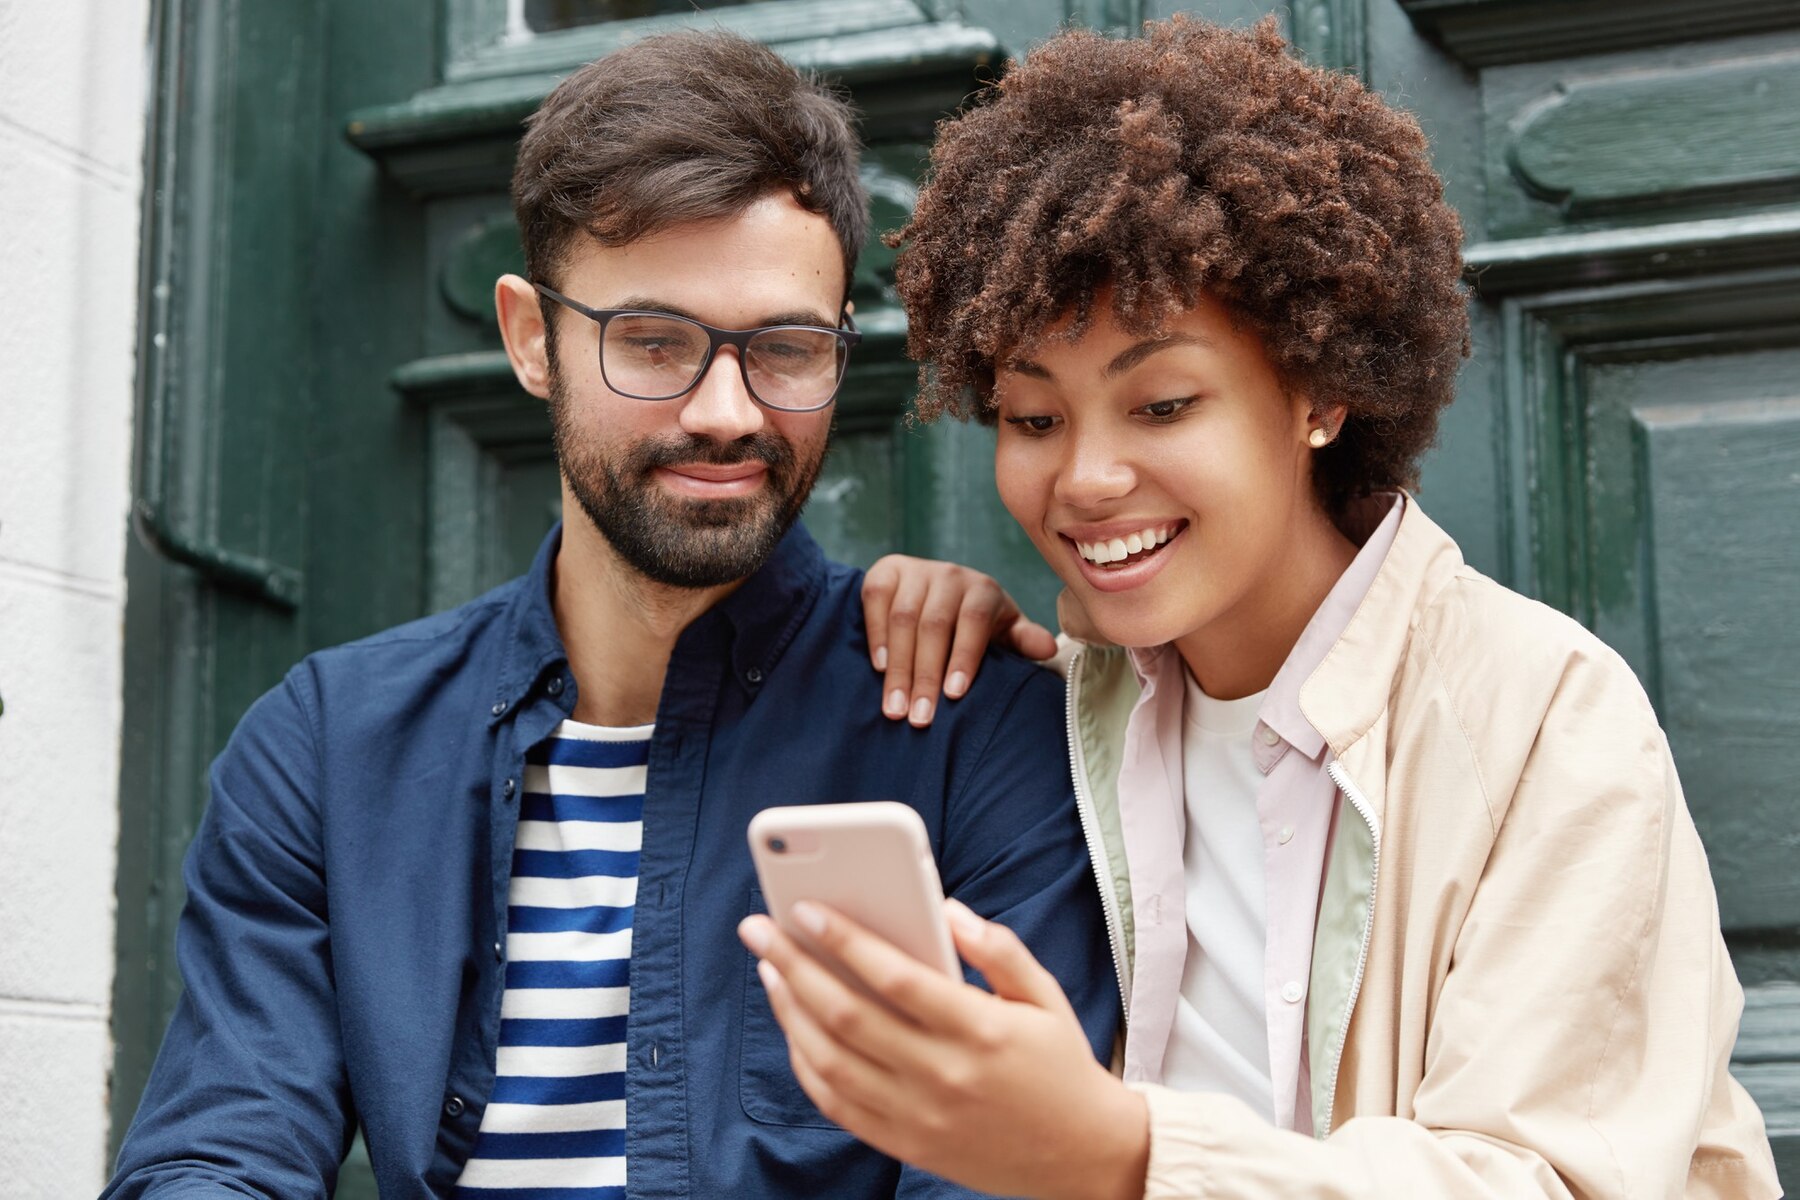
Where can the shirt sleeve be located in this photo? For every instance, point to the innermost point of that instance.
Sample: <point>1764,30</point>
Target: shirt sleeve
<point>249,1095</point>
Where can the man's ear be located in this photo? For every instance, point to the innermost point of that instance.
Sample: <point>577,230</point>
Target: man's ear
<point>522,329</point>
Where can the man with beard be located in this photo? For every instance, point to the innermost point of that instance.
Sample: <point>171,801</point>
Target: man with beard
<point>473,884</point>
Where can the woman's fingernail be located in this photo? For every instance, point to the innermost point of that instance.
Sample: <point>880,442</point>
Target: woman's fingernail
<point>956,683</point>
<point>771,978</point>
<point>968,925</point>
<point>896,704</point>
<point>881,658</point>
<point>809,917</point>
<point>755,936</point>
<point>921,711</point>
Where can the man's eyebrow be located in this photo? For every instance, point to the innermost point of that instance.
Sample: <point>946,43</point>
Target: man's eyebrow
<point>794,317</point>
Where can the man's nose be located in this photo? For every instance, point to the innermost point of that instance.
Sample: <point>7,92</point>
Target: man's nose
<point>720,407</point>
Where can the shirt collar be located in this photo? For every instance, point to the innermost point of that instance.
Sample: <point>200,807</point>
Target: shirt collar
<point>764,614</point>
<point>1281,724</point>
<point>768,610</point>
<point>1375,520</point>
<point>536,644</point>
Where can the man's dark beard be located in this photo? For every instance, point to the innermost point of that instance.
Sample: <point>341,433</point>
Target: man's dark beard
<point>674,540</point>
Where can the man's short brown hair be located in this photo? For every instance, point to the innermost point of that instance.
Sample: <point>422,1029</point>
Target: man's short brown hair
<point>686,126</point>
<point>1196,160</point>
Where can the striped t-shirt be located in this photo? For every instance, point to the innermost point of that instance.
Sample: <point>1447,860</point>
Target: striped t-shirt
<point>554,1128</point>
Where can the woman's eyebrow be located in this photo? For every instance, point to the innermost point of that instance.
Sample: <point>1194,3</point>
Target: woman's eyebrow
<point>1122,362</point>
<point>1132,355</point>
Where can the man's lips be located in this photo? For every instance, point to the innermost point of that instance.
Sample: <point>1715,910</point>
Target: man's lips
<point>713,481</point>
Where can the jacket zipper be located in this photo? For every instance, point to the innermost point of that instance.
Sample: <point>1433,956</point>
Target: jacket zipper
<point>1090,830</point>
<point>1358,802</point>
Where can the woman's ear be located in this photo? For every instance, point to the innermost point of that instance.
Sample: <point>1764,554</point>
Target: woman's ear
<point>1323,423</point>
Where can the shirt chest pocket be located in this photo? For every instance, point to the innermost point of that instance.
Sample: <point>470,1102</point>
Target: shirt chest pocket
<point>767,1088</point>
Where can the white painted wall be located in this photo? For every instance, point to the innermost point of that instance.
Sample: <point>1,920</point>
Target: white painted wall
<point>72,109</point>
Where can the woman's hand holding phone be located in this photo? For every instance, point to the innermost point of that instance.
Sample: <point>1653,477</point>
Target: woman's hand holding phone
<point>999,1092</point>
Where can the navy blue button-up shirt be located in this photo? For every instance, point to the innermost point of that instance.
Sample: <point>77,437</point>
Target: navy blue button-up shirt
<point>342,941</point>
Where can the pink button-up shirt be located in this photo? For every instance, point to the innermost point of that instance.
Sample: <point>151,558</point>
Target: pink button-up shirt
<point>1296,808</point>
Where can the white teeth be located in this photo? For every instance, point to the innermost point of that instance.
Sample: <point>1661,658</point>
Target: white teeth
<point>1119,548</point>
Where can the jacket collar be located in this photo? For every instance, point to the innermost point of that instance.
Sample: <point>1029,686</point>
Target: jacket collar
<point>768,610</point>
<point>1348,693</point>
<point>763,615</point>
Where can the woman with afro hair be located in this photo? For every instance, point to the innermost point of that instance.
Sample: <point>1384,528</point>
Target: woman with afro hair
<point>1404,897</point>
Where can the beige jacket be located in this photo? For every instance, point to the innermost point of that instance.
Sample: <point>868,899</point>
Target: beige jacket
<point>1518,987</point>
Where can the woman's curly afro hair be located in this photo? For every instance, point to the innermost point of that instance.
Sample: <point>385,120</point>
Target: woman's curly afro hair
<point>1194,160</point>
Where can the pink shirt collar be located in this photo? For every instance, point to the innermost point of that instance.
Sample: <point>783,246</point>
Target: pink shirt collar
<point>1373,522</point>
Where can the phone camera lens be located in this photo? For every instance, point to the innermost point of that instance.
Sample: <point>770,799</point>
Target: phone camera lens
<point>777,845</point>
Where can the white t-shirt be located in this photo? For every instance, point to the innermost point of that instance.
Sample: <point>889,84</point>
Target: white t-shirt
<point>1220,1042</point>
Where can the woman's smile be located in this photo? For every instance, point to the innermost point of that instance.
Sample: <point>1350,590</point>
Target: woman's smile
<point>1120,561</point>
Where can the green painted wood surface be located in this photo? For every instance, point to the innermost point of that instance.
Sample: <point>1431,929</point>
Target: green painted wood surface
<point>225,370</point>
<point>1664,136</point>
<point>1485,33</point>
<point>1665,139</point>
<point>1721,482</point>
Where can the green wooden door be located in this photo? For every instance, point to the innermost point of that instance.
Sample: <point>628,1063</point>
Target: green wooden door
<point>330,441</point>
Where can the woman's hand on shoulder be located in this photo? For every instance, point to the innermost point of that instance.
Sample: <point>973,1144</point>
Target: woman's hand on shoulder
<point>929,623</point>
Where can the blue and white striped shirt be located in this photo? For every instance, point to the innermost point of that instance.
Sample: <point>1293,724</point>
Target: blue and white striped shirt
<point>554,1128</point>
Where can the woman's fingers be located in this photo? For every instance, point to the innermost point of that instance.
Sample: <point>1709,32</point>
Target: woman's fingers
<point>929,624</point>
<point>938,623</point>
<point>1003,960</point>
<point>973,623</point>
<point>902,632</point>
<point>1025,635</point>
<point>924,996</point>
<point>879,585</point>
<point>839,1077</point>
<point>877,1031</point>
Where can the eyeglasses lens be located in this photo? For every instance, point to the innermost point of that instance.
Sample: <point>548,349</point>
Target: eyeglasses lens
<point>658,357</point>
<point>653,357</point>
<point>795,368</point>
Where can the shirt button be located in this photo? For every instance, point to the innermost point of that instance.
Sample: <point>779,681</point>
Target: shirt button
<point>499,952</point>
<point>1291,991</point>
<point>754,675</point>
<point>554,687</point>
<point>509,787</point>
<point>498,708</point>
<point>1286,835</point>
<point>453,1107</point>
<point>1269,736</point>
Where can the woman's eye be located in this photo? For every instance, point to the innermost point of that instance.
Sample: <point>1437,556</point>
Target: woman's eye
<point>1034,425</point>
<point>1164,410</point>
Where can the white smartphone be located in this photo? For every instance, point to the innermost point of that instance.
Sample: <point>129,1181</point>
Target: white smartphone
<point>870,861</point>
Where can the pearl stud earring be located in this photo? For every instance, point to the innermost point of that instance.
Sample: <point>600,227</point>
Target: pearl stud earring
<point>1318,439</point>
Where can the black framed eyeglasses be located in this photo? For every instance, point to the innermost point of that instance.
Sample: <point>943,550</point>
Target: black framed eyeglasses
<point>660,356</point>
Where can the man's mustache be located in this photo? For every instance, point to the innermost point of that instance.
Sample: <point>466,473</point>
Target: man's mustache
<point>767,448</point>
